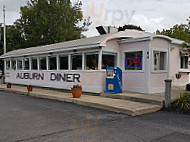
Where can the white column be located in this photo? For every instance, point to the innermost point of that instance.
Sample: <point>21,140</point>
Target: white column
<point>30,63</point>
<point>16,64</point>
<point>5,66</point>
<point>100,60</point>
<point>69,61</point>
<point>83,61</point>
<point>38,63</point>
<point>10,64</point>
<point>47,62</point>
<point>22,63</point>
<point>58,63</point>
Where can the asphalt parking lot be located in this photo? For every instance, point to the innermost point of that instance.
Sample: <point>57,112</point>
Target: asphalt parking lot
<point>28,119</point>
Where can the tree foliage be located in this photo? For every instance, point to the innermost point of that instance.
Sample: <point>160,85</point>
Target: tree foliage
<point>13,39</point>
<point>130,27</point>
<point>178,31</point>
<point>45,22</point>
<point>49,21</point>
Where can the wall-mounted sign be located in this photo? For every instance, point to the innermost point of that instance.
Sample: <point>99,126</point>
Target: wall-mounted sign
<point>53,77</point>
<point>133,63</point>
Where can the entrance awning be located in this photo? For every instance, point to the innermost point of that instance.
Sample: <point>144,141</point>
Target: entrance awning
<point>184,52</point>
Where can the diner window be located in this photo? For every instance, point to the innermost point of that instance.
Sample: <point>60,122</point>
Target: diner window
<point>13,64</point>
<point>184,62</point>
<point>26,63</point>
<point>52,62</point>
<point>43,64</point>
<point>63,62</point>
<point>109,60</point>
<point>134,60</point>
<point>76,62</point>
<point>91,61</point>
<point>159,60</point>
<point>34,63</point>
<point>8,64</point>
<point>19,64</point>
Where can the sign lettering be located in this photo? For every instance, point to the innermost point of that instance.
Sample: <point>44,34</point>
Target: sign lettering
<point>65,77</point>
<point>133,62</point>
<point>30,76</point>
<point>53,77</point>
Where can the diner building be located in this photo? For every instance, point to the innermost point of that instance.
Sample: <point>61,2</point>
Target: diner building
<point>146,61</point>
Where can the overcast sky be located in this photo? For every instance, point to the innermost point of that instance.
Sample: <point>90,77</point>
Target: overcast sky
<point>149,14</point>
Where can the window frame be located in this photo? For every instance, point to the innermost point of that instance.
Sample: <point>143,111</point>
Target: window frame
<point>183,62</point>
<point>40,63</point>
<point>143,61</point>
<point>15,64</point>
<point>6,61</point>
<point>24,64</point>
<point>55,56</point>
<point>71,64</point>
<point>166,61</point>
<point>109,53</point>
<point>21,59</point>
<point>31,63</point>
<point>143,58</point>
<point>59,63</point>
<point>91,53</point>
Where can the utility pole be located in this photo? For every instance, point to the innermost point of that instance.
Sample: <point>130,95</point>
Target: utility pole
<point>5,48</point>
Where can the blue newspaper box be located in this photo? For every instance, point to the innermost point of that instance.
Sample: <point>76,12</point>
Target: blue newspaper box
<point>113,80</point>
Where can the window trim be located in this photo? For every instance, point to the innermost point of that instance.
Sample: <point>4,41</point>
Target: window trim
<point>10,68</point>
<point>17,63</point>
<point>144,62</point>
<point>33,57</point>
<point>108,53</point>
<point>152,60</point>
<point>59,68</point>
<point>40,64</point>
<point>78,53</point>
<point>91,53</point>
<point>187,63</point>
<point>48,57</point>
<point>24,64</point>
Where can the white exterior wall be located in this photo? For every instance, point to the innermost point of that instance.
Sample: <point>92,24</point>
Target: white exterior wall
<point>91,81</point>
<point>135,81</point>
<point>157,83</point>
<point>143,81</point>
<point>175,67</point>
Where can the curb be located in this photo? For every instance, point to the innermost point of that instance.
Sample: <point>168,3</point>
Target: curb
<point>116,109</point>
<point>134,99</point>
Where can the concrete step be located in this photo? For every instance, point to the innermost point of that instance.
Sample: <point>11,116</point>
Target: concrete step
<point>136,97</point>
<point>120,106</point>
<point>117,105</point>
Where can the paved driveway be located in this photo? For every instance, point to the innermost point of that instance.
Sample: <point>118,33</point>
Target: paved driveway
<point>27,119</point>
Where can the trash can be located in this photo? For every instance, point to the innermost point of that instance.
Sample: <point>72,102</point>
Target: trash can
<point>188,87</point>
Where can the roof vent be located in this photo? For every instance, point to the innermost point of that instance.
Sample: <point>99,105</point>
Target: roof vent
<point>106,30</point>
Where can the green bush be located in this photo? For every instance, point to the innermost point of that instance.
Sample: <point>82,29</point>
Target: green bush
<point>182,103</point>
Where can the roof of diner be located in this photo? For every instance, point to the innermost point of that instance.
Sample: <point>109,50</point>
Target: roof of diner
<point>85,43</point>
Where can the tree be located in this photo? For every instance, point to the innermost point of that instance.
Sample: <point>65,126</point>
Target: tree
<point>130,27</point>
<point>45,22</point>
<point>178,31</point>
<point>13,39</point>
